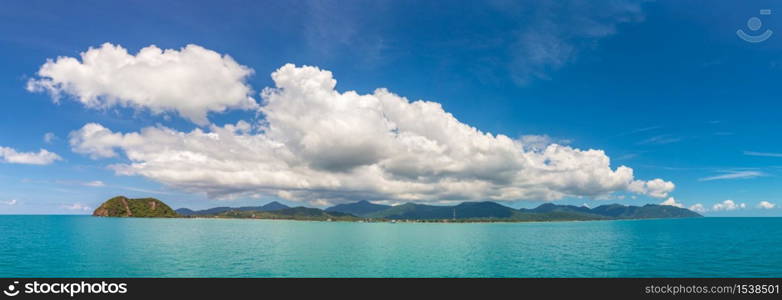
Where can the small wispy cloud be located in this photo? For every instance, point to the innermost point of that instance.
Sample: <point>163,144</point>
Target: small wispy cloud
<point>627,156</point>
<point>49,137</point>
<point>645,129</point>
<point>76,207</point>
<point>699,208</point>
<point>11,202</point>
<point>145,190</point>
<point>638,130</point>
<point>660,140</point>
<point>766,154</point>
<point>734,175</point>
<point>551,35</point>
<point>94,183</point>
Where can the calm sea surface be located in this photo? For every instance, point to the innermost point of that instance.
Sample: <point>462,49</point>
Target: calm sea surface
<point>75,246</point>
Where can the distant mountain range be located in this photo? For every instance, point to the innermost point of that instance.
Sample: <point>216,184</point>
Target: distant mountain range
<point>121,206</point>
<point>467,211</point>
<point>494,211</point>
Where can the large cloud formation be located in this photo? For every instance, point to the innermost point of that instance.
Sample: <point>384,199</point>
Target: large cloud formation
<point>323,146</point>
<point>191,81</point>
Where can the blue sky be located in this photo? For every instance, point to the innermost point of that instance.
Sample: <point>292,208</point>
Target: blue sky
<point>663,87</point>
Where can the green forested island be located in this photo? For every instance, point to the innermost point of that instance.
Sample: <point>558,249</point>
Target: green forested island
<point>121,206</point>
<point>486,211</point>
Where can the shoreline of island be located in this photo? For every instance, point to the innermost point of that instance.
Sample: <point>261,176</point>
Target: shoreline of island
<point>464,221</point>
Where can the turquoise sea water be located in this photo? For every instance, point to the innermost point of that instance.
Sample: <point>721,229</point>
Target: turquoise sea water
<point>76,246</point>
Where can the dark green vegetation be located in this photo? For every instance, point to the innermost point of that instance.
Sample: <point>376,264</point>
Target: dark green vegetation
<point>121,206</point>
<point>294,213</point>
<point>361,208</point>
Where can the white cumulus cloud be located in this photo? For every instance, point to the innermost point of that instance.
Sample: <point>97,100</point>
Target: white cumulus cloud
<point>192,81</point>
<point>728,205</point>
<point>42,157</point>
<point>11,202</point>
<point>766,205</point>
<point>672,202</point>
<point>657,188</point>
<point>317,144</point>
